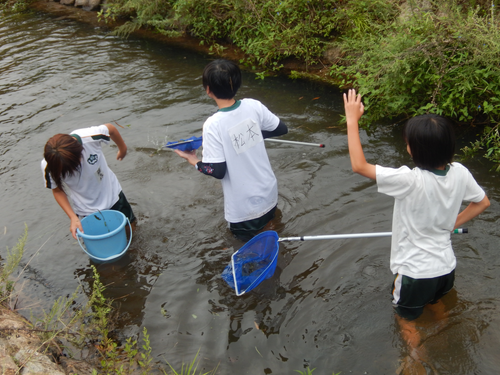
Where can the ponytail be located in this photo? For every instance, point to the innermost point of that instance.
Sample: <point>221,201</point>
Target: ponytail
<point>62,153</point>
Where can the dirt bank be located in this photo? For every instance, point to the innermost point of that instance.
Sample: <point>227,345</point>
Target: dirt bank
<point>22,351</point>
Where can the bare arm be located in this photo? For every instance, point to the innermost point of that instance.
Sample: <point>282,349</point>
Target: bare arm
<point>117,138</point>
<point>471,211</point>
<point>62,199</point>
<point>354,109</point>
<point>190,156</point>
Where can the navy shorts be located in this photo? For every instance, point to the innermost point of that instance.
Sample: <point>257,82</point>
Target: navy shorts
<point>411,295</point>
<point>246,230</point>
<point>124,207</point>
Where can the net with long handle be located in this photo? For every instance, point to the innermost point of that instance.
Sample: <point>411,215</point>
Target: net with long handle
<point>253,263</point>
<point>257,259</point>
<point>194,143</point>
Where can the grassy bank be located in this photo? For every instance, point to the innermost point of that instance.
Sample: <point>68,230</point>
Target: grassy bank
<point>405,57</point>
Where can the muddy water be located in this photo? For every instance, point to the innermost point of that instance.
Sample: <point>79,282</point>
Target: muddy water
<point>327,305</point>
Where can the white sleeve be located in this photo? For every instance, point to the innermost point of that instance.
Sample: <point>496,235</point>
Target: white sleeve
<point>213,150</point>
<point>473,192</point>
<point>268,120</point>
<point>98,133</point>
<point>395,182</point>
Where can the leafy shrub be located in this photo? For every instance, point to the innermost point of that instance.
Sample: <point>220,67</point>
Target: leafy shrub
<point>442,62</point>
<point>405,60</point>
<point>268,31</point>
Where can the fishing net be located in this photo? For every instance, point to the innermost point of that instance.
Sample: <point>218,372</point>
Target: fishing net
<point>253,263</point>
<point>189,144</point>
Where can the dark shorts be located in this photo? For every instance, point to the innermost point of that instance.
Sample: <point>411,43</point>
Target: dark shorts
<point>411,295</point>
<point>124,207</point>
<point>246,230</point>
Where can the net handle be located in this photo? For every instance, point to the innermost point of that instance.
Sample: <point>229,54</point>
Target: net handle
<point>352,235</point>
<point>236,286</point>
<point>295,142</point>
<point>336,236</point>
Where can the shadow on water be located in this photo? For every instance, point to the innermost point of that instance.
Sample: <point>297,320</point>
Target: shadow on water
<point>328,303</point>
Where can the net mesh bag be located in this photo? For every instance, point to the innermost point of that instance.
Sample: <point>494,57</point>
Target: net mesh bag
<point>189,144</point>
<point>253,263</point>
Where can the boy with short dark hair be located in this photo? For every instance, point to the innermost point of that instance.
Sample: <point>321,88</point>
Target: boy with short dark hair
<point>234,151</point>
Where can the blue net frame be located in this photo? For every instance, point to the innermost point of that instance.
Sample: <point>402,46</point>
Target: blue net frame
<point>189,144</point>
<point>253,263</point>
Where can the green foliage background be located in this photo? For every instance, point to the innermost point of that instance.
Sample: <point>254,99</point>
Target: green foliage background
<point>406,57</point>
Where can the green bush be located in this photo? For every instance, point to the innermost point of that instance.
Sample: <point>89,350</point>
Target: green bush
<point>444,62</point>
<point>14,6</point>
<point>267,31</point>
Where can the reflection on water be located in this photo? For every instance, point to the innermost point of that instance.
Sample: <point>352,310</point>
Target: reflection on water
<point>328,303</point>
<point>128,282</point>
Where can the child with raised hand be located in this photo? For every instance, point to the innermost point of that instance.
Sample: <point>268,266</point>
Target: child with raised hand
<point>234,151</point>
<point>427,206</point>
<point>74,165</point>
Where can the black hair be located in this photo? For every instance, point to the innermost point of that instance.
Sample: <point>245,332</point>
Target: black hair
<point>223,77</point>
<point>431,139</point>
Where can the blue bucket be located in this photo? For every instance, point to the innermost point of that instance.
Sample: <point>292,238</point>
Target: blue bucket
<point>104,235</point>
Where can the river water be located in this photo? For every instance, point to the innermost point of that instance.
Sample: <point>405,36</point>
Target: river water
<point>328,304</point>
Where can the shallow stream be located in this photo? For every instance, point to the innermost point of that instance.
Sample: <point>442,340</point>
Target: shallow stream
<point>328,304</point>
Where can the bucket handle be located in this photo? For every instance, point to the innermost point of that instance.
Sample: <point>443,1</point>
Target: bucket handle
<point>78,232</point>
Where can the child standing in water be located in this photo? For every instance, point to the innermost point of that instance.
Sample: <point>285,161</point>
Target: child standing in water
<point>74,164</point>
<point>426,210</point>
<point>234,151</point>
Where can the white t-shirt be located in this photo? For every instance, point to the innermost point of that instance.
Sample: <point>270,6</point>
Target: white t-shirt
<point>94,187</point>
<point>234,135</point>
<point>425,210</point>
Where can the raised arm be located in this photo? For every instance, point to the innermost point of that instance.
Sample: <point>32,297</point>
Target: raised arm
<point>62,199</point>
<point>354,109</point>
<point>117,138</point>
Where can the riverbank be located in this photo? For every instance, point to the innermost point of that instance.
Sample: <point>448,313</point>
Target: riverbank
<point>405,58</point>
<point>22,351</point>
<point>320,307</point>
<point>317,72</point>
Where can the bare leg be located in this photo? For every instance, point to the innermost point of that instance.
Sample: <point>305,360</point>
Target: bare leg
<point>411,333</point>
<point>438,309</point>
<point>412,364</point>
